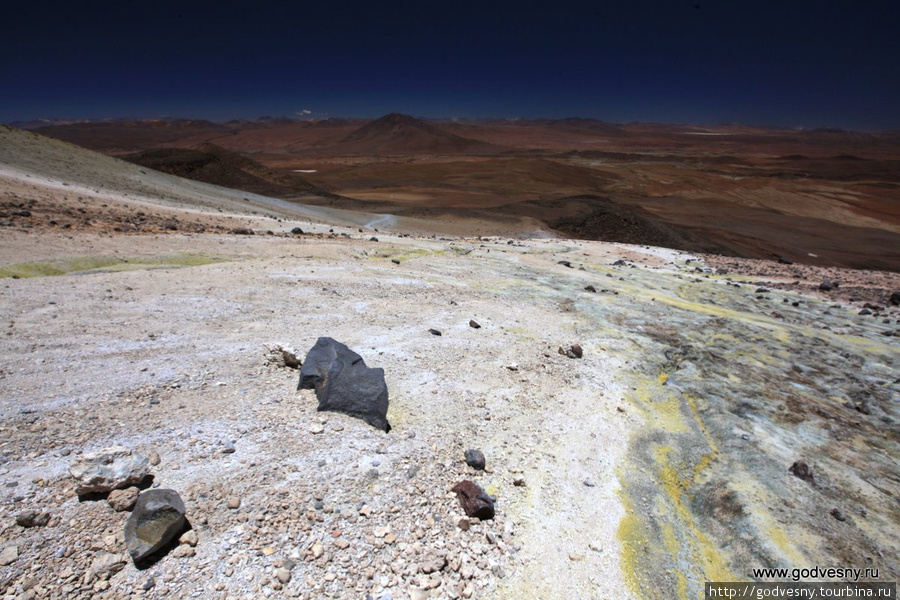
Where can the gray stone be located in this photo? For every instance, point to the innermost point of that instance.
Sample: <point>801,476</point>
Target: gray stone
<point>158,517</point>
<point>344,384</point>
<point>475,459</point>
<point>282,356</point>
<point>32,518</point>
<point>105,565</point>
<point>8,555</point>
<point>108,469</point>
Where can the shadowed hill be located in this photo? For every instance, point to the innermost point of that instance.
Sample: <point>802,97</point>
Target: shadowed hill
<point>402,134</point>
<point>212,164</point>
<point>591,217</point>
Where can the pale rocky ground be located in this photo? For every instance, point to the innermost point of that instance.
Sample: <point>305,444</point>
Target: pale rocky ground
<point>655,463</point>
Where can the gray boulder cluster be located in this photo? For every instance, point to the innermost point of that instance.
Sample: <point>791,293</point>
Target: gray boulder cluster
<point>157,516</point>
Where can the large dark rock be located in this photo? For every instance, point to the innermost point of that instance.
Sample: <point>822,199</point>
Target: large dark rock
<point>157,518</point>
<point>474,500</point>
<point>895,298</point>
<point>344,383</point>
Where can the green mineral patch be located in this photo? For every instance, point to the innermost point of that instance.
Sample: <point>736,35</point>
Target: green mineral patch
<point>96,264</point>
<point>405,253</point>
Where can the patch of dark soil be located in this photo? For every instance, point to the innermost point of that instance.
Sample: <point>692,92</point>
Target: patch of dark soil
<point>211,164</point>
<point>596,218</point>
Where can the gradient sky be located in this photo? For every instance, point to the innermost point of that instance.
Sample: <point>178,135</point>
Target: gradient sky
<point>790,63</point>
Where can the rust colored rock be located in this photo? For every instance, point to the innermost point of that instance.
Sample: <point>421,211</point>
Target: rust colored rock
<point>474,500</point>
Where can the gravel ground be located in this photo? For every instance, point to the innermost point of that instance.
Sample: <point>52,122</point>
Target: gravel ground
<point>657,461</point>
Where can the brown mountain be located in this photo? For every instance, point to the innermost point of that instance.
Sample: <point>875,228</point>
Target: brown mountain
<point>401,134</point>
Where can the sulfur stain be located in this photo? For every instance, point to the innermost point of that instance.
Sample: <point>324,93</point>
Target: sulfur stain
<point>94,264</point>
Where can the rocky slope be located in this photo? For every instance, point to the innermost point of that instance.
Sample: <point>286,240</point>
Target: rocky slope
<point>658,460</point>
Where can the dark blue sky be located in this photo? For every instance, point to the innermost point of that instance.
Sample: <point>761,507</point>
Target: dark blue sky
<point>791,63</point>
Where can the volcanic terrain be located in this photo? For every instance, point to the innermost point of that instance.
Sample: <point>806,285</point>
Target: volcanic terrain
<point>823,197</point>
<point>723,413</point>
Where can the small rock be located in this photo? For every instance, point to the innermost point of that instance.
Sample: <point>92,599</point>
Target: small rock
<point>158,517</point>
<point>785,261</point>
<point>395,261</point>
<point>865,312</point>
<point>149,584</point>
<point>519,482</point>
<point>464,524</point>
<point>284,575</point>
<point>122,500</point>
<point>574,351</point>
<point>433,564</point>
<point>8,555</point>
<point>154,459</point>
<point>316,428</point>
<point>434,332</point>
<point>234,502</point>
<point>189,537</point>
<point>474,324</point>
<point>412,471</point>
<point>183,551</point>
<point>895,299</point>
<point>801,470</point>
<point>108,469</point>
<point>474,501</point>
<point>32,518</point>
<point>565,263</point>
<point>105,565</point>
<point>371,239</point>
<point>228,448</point>
<point>318,549</point>
<point>837,514</point>
<point>475,459</point>
<point>590,288</point>
<point>297,231</point>
<point>282,356</point>
<point>589,483</point>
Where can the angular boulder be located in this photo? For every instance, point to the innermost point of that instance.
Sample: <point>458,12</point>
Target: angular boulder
<point>474,500</point>
<point>108,469</point>
<point>344,384</point>
<point>158,517</point>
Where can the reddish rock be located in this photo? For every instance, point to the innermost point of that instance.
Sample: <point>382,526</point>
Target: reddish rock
<point>474,500</point>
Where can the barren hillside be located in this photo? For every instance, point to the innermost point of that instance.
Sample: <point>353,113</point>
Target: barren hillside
<point>658,460</point>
